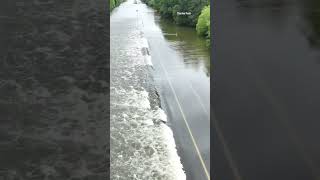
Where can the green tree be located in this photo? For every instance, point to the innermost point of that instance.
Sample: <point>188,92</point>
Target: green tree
<point>203,24</point>
<point>114,3</point>
<point>199,9</point>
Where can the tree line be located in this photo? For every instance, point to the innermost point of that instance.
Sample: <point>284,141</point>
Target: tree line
<point>194,13</point>
<point>114,3</point>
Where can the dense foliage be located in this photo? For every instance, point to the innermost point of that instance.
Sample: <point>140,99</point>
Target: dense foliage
<point>197,13</point>
<point>171,8</point>
<point>203,24</point>
<point>114,3</point>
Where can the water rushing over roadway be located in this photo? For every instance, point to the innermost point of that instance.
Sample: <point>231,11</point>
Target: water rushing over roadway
<point>159,82</point>
<point>142,145</point>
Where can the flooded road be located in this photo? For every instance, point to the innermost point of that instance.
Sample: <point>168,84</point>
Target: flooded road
<point>181,67</point>
<point>267,74</point>
<point>159,84</point>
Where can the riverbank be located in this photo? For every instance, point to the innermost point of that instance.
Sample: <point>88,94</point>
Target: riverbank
<point>196,15</point>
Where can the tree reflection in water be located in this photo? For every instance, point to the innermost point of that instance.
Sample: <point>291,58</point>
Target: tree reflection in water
<point>193,48</point>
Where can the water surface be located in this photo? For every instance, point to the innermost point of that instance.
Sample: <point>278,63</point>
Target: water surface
<point>267,98</point>
<point>159,80</point>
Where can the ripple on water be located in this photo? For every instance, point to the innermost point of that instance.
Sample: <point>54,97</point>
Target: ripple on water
<point>142,145</point>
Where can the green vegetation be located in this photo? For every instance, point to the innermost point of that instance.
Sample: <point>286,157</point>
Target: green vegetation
<point>170,8</point>
<point>197,13</point>
<point>114,3</point>
<point>203,24</point>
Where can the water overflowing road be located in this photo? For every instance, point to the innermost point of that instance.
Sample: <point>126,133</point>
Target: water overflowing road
<point>159,97</point>
<point>267,75</point>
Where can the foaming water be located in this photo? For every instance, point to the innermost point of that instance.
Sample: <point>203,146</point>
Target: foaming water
<point>142,145</point>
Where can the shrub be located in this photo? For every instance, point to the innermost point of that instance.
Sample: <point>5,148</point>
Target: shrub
<point>203,24</point>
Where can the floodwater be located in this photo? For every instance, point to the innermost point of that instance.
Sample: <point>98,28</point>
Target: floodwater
<point>266,100</point>
<point>160,97</point>
<point>53,90</point>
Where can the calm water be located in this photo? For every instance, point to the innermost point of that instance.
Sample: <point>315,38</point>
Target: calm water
<point>185,59</point>
<point>157,76</point>
<point>267,74</point>
<point>194,49</point>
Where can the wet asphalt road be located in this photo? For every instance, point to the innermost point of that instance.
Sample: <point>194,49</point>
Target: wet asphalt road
<point>266,95</point>
<point>180,73</point>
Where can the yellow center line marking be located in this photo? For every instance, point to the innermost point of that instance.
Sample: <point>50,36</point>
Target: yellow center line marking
<point>187,124</point>
<point>226,150</point>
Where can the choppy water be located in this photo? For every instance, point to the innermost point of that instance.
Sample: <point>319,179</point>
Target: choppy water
<point>142,145</point>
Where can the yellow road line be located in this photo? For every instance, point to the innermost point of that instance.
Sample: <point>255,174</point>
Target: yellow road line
<point>186,122</point>
<point>220,137</point>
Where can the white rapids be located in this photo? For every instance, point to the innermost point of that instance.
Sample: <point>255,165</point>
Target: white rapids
<point>142,145</point>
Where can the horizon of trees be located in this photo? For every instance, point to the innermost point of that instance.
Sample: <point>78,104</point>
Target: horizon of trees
<point>199,17</point>
<point>114,3</point>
